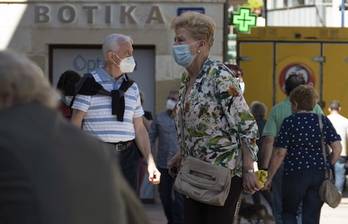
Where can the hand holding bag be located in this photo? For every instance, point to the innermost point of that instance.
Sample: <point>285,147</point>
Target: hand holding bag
<point>328,191</point>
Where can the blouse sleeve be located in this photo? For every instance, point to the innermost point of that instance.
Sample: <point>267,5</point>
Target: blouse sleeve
<point>237,113</point>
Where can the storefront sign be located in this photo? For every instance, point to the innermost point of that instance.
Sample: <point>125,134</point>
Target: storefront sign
<point>194,9</point>
<point>69,13</point>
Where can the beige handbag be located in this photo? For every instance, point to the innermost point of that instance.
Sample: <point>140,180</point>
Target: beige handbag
<point>328,192</point>
<point>203,181</point>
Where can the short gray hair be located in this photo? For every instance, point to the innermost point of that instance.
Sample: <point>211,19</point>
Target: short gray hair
<point>22,81</point>
<point>258,109</point>
<point>335,105</point>
<point>112,43</point>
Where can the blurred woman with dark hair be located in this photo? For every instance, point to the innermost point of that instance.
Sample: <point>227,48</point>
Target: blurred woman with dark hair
<point>66,87</point>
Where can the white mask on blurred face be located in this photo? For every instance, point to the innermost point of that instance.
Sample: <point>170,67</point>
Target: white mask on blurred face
<point>170,104</point>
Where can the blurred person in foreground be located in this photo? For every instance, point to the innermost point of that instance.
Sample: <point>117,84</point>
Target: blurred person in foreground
<point>163,128</point>
<point>66,87</point>
<point>50,171</point>
<point>217,123</point>
<point>341,125</point>
<point>299,145</point>
<point>117,118</point>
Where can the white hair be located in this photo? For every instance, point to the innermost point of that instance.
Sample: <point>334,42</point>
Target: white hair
<point>22,81</point>
<point>112,43</point>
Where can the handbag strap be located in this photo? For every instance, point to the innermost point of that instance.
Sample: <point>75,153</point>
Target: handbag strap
<point>181,127</point>
<point>327,174</point>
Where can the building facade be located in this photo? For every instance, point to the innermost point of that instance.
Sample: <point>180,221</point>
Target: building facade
<point>308,13</point>
<point>60,35</point>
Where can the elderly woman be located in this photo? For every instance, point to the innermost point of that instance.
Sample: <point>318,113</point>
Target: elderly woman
<point>217,126</point>
<point>299,146</point>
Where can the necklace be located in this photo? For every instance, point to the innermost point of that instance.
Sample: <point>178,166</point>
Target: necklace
<point>304,111</point>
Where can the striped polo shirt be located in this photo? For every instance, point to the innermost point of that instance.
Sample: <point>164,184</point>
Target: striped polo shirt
<point>98,119</point>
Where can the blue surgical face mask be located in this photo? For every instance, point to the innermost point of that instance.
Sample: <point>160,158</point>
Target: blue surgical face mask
<point>182,54</point>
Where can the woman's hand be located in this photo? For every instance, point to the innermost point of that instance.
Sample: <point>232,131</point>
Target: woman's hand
<point>250,183</point>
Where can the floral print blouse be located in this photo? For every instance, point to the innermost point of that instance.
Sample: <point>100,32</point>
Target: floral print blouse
<point>214,118</point>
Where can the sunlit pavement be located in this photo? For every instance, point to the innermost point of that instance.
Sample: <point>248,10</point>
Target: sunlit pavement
<point>329,215</point>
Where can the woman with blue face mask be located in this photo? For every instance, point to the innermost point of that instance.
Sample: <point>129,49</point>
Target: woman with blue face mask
<point>217,125</point>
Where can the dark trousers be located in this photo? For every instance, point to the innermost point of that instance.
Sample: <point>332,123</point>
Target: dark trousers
<point>130,166</point>
<point>199,213</point>
<point>302,186</point>
<point>172,206</point>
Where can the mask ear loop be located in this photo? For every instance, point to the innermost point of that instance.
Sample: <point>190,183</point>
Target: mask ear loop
<point>115,61</point>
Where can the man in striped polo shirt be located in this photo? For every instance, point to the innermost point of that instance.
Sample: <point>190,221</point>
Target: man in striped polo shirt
<point>117,119</point>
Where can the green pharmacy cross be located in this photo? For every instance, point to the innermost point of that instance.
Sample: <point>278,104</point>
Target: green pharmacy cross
<point>244,20</point>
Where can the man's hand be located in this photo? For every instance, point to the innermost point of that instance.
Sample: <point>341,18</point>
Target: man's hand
<point>154,174</point>
<point>268,184</point>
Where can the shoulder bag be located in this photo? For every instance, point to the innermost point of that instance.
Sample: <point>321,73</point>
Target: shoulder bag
<point>202,181</point>
<point>328,192</point>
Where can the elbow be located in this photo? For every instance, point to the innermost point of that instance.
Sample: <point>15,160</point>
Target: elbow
<point>336,147</point>
<point>280,152</point>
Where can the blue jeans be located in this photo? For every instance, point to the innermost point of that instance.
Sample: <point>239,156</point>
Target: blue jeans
<point>173,207</point>
<point>302,186</point>
<point>340,173</point>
